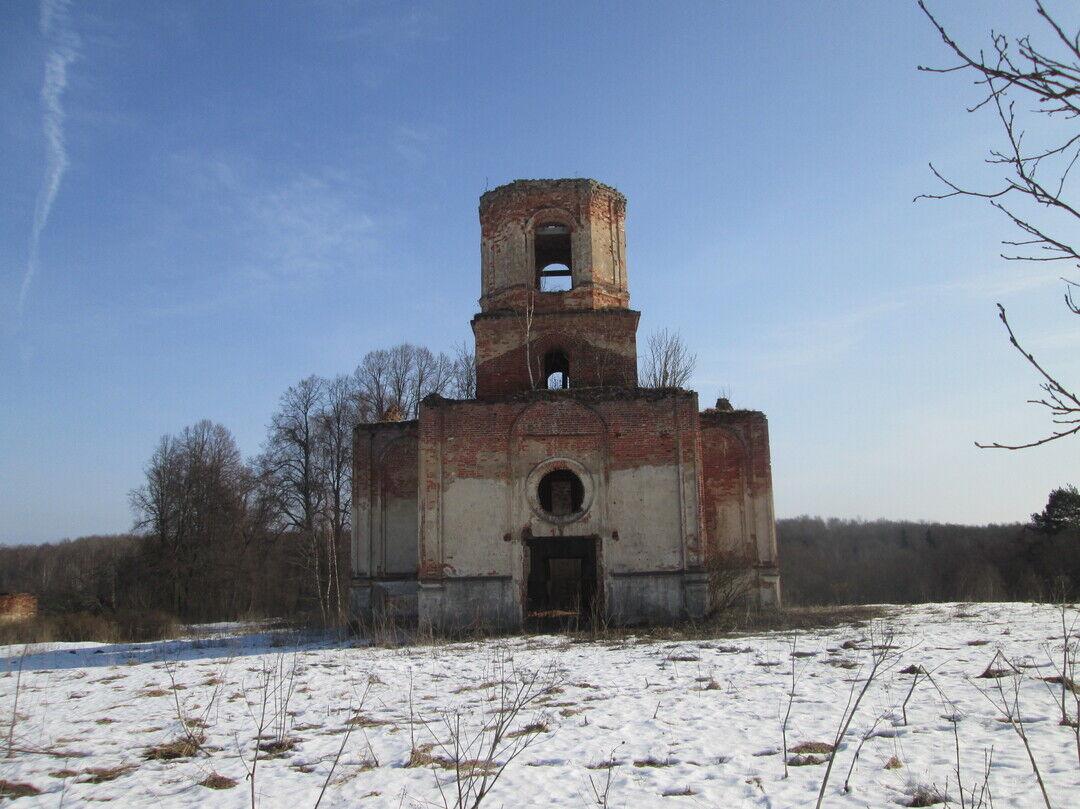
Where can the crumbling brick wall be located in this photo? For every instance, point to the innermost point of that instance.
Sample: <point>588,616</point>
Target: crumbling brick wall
<point>518,323</point>
<point>385,504</point>
<point>601,348</point>
<point>737,498</point>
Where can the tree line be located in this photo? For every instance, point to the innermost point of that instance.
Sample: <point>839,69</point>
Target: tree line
<point>822,561</point>
<point>831,561</point>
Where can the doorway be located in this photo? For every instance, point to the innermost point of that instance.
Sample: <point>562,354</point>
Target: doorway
<point>561,582</point>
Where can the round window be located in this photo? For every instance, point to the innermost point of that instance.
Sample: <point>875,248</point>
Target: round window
<point>560,493</point>
<point>559,490</point>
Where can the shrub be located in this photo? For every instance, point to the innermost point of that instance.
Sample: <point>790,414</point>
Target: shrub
<point>731,578</point>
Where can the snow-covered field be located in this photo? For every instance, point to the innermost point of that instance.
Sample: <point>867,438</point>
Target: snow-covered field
<point>634,721</point>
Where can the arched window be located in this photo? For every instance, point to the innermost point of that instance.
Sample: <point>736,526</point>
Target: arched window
<point>554,268</point>
<point>557,369</point>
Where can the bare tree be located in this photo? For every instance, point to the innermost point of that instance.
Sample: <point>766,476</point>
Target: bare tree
<point>463,373</point>
<point>1034,192</point>
<point>293,460</point>
<point>334,422</point>
<point>400,377</point>
<point>667,362</point>
<point>433,374</point>
<point>372,384</point>
<point>193,508</point>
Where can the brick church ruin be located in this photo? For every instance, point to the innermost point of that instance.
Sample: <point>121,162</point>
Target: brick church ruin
<point>563,488</point>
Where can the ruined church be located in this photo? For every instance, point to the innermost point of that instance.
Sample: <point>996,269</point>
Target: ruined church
<point>563,488</point>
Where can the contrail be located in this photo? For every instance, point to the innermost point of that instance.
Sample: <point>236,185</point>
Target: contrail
<point>63,48</point>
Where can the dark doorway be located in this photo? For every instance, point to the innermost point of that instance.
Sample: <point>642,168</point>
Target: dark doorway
<point>562,579</point>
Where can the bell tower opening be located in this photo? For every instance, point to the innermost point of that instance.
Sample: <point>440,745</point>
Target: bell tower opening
<point>556,369</point>
<point>553,257</point>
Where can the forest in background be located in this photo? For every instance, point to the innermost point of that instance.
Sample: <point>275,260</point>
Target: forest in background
<point>823,562</point>
<point>855,562</point>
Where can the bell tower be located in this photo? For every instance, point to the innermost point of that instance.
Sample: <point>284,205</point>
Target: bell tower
<point>554,305</point>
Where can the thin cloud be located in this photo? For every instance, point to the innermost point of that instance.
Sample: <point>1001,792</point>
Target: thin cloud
<point>1001,283</point>
<point>822,340</point>
<point>63,49</point>
<point>412,143</point>
<point>278,229</point>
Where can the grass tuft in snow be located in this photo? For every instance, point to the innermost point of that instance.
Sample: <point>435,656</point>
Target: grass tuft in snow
<point>183,747</point>
<point>217,781</point>
<point>14,789</point>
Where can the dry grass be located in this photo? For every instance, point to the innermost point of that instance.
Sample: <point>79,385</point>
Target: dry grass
<point>602,765</point>
<point>806,761</point>
<point>810,753</point>
<point>676,793</point>
<point>183,747</point>
<point>276,748</point>
<point>893,763</point>
<point>216,781</point>
<point>127,626</point>
<point>813,747</point>
<point>364,721</point>
<point>652,761</point>
<point>15,789</point>
<point>532,727</point>
<point>422,756</point>
<point>990,673</point>
<point>479,686</point>
<point>926,795</point>
<point>1057,679</point>
<point>841,663</point>
<point>99,775</point>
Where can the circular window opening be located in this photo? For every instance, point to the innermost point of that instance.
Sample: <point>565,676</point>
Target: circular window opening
<point>561,493</point>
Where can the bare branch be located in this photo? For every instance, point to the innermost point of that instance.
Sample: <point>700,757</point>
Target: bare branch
<point>1017,67</point>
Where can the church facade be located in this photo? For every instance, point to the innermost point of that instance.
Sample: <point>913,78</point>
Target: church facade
<point>563,489</point>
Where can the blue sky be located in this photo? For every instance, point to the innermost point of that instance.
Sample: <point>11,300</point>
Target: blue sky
<point>246,193</point>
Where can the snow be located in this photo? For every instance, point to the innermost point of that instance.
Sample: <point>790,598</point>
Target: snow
<point>709,712</point>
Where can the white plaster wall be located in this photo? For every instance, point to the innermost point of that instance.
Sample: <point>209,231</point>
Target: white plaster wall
<point>400,550</point>
<point>764,526</point>
<point>646,502</point>
<point>474,522</point>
